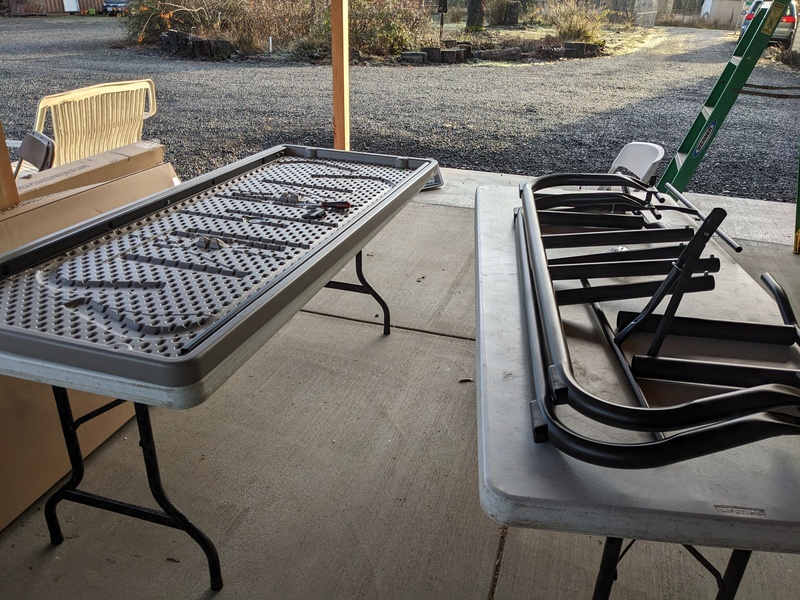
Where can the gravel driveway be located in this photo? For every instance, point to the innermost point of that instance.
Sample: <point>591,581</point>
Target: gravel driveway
<point>528,119</point>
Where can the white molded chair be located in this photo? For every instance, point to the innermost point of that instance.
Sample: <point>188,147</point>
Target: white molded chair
<point>639,158</point>
<point>97,118</point>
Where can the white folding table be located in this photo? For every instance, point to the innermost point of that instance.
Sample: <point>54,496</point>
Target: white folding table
<point>745,499</point>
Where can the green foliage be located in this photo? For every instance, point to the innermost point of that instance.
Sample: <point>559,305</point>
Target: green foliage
<point>574,20</point>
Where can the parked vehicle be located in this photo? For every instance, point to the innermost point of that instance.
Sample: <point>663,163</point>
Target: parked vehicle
<point>784,32</point>
<point>115,7</point>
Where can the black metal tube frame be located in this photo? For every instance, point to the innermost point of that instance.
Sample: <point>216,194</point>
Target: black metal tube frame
<point>715,423</point>
<point>566,218</point>
<point>658,252</point>
<point>734,331</point>
<point>616,238</point>
<point>645,289</point>
<point>784,306</point>
<point>171,515</point>
<point>727,584</point>
<point>364,288</point>
<point>710,373</point>
<point>627,268</point>
<point>676,283</point>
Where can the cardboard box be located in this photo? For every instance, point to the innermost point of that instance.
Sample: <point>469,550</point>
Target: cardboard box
<point>33,219</point>
<point>99,168</point>
<point>33,456</point>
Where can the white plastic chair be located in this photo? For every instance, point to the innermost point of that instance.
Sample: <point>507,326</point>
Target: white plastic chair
<point>639,158</point>
<point>97,118</point>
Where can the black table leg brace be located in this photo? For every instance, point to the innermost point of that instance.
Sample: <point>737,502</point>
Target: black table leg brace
<point>171,515</point>
<point>364,288</point>
<point>727,584</point>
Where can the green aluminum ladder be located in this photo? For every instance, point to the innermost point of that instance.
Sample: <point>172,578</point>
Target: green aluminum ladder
<point>722,97</point>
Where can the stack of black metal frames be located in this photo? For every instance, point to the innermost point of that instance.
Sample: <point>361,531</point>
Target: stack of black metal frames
<point>754,410</point>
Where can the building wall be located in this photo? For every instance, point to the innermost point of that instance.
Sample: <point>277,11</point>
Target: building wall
<point>49,7</point>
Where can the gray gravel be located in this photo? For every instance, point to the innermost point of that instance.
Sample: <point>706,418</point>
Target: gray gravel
<point>526,119</point>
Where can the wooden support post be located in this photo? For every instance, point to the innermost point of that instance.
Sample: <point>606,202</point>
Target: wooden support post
<point>8,187</point>
<point>797,214</point>
<point>340,42</point>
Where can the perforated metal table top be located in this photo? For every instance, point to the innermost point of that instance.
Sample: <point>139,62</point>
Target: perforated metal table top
<point>160,302</point>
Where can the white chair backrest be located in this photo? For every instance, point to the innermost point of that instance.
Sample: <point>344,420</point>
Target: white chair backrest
<point>98,118</point>
<point>640,158</point>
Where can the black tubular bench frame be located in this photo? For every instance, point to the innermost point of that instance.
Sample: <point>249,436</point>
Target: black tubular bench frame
<point>711,424</point>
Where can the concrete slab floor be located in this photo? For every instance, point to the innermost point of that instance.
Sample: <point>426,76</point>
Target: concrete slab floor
<point>339,463</point>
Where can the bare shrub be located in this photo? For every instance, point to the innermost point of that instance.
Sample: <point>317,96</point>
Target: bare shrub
<point>495,12</point>
<point>790,58</point>
<point>246,23</point>
<point>456,14</point>
<point>381,27</point>
<point>376,26</point>
<point>574,20</point>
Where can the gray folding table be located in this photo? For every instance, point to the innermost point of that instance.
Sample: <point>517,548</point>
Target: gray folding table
<point>744,498</point>
<point>161,301</point>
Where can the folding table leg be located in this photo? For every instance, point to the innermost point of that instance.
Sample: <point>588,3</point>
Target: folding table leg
<point>70,432</point>
<point>171,515</point>
<point>608,568</point>
<point>364,288</point>
<point>733,574</point>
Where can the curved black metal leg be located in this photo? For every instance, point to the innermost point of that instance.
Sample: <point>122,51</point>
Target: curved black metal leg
<point>373,293</point>
<point>364,288</point>
<point>148,446</point>
<point>733,574</point>
<point>608,568</point>
<point>70,431</point>
<point>171,515</point>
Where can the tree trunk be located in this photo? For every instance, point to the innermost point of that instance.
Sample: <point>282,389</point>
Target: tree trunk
<point>474,15</point>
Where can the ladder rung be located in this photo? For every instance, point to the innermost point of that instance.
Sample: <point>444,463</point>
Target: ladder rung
<point>706,111</point>
<point>735,60</point>
<point>679,158</point>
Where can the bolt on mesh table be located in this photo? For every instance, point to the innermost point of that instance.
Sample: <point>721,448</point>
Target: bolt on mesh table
<point>740,497</point>
<point>160,302</point>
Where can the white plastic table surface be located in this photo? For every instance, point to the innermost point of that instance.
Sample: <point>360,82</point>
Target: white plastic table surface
<point>745,498</point>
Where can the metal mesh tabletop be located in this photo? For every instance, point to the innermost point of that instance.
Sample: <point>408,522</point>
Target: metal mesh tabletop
<point>166,291</point>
